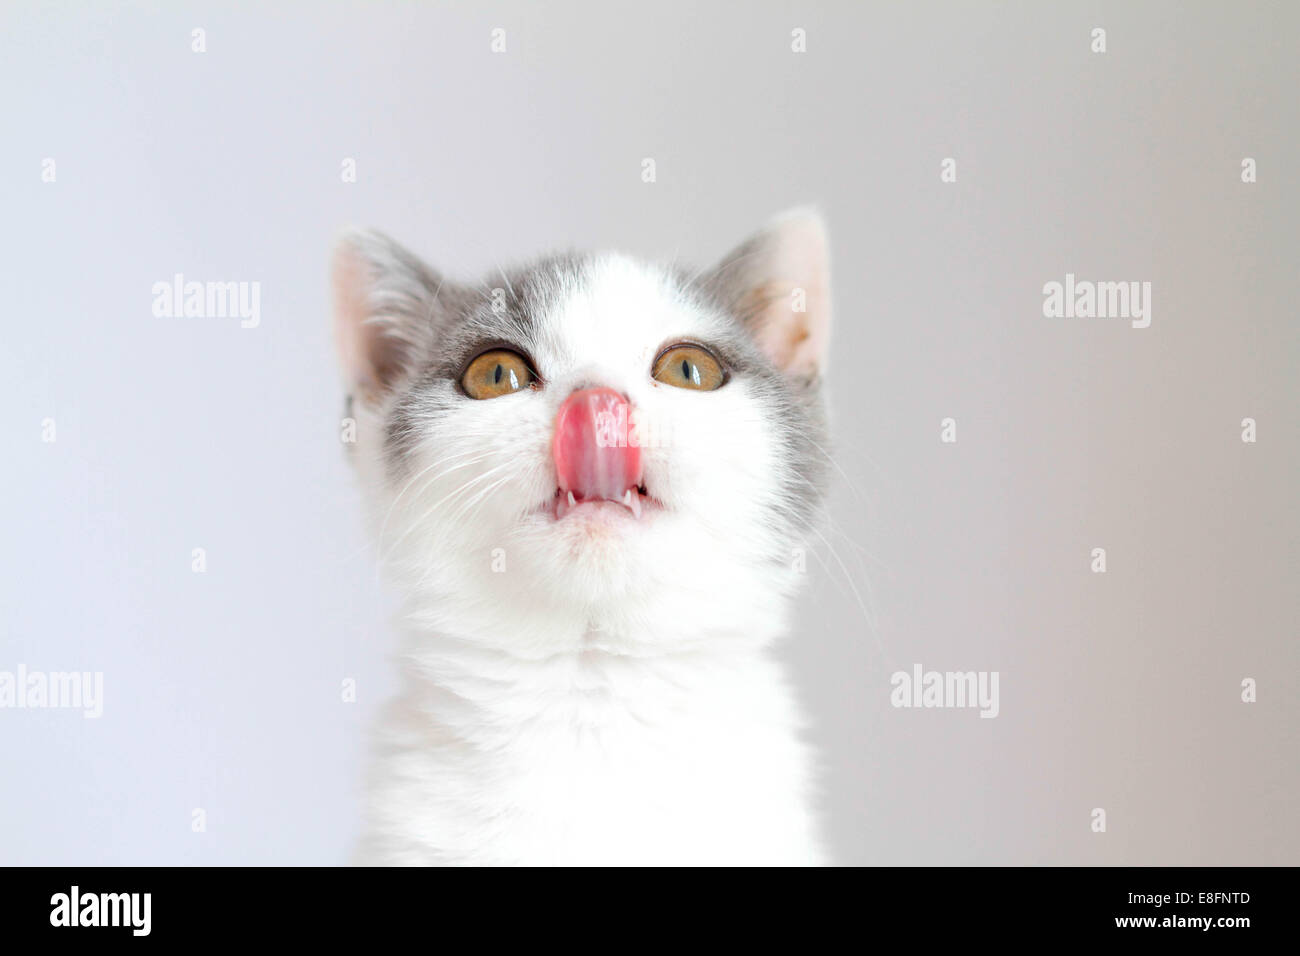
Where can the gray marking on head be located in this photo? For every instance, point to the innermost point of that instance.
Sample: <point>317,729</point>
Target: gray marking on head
<point>471,320</point>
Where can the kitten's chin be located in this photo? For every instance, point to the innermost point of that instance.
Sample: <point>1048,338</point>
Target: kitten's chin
<point>599,538</point>
<point>591,552</point>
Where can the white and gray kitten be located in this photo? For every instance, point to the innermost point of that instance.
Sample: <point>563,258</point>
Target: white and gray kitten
<point>592,486</point>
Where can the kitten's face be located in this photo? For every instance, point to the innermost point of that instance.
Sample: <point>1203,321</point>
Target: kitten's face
<point>597,441</point>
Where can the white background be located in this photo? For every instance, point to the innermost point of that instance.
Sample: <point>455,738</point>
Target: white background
<point>222,690</point>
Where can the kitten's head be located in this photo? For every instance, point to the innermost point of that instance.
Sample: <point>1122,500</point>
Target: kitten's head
<point>591,445</point>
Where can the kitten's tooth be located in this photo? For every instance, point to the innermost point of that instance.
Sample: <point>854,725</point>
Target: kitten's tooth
<point>573,502</point>
<point>634,502</point>
<point>627,499</point>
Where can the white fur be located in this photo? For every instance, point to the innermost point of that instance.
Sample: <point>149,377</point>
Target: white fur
<point>609,696</point>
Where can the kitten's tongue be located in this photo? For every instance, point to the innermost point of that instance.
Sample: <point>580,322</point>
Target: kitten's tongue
<point>592,456</point>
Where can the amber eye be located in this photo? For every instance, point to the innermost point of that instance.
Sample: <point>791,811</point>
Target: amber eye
<point>689,366</point>
<point>496,373</point>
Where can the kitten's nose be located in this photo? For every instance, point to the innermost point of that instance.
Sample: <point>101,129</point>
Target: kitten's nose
<point>593,457</point>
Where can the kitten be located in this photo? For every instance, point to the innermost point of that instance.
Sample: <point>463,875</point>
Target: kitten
<point>592,486</point>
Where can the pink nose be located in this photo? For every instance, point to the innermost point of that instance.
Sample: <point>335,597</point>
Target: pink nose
<point>593,457</point>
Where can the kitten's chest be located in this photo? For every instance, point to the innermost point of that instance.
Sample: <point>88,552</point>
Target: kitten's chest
<point>653,794</point>
<point>597,779</point>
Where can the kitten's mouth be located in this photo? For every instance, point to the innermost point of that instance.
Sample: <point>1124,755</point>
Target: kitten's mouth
<point>634,501</point>
<point>596,469</point>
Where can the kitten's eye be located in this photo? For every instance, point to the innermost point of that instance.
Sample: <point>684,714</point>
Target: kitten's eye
<point>688,366</point>
<point>496,373</point>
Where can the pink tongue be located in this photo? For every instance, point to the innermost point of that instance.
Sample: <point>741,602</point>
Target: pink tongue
<point>592,456</point>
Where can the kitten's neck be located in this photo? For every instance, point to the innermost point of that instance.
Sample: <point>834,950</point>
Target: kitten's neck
<point>448,656</point>
<point>594,677</point>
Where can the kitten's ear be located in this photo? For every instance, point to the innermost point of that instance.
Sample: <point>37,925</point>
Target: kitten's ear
<point>385,310</point>
<point>778,284</point>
